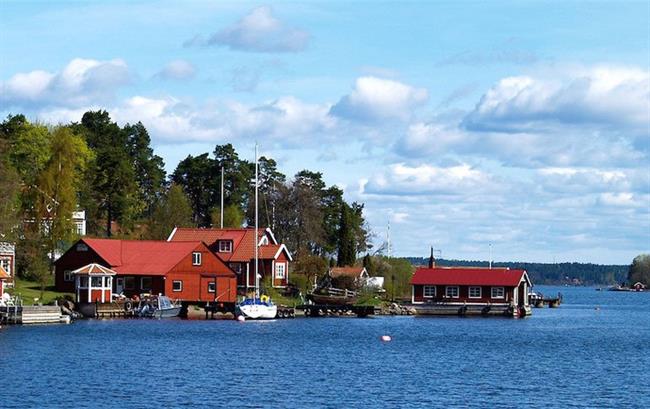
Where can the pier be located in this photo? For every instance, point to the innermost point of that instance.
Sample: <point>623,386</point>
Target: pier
<point>324,310</point>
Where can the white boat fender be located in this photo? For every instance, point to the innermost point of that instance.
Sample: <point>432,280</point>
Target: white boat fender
<point>241,318</point>
<point>386,338</point>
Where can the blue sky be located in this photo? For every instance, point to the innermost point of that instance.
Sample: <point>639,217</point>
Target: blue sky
<point>524,125</point>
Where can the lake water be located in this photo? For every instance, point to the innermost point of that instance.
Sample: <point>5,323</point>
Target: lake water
<point>593,351</point>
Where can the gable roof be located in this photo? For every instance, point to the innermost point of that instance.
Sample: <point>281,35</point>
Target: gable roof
<point>347,271</point>
<point>94,269</point>
<point>141,257</point>
<point>468,276</point>
<point>243,242</point>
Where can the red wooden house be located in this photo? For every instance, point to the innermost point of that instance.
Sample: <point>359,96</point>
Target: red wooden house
<point>3,277</point>
<point>188,271</point>
<point>237,248</point>
<point>474,290</point>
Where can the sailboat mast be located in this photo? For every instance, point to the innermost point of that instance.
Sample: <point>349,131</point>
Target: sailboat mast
<point>257,278</point>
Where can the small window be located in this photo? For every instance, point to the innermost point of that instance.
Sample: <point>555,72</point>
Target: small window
<point>83,282</point>
<point>498,292</point>
<point>225,246</point>
<point>475,292</point>
<point>429,291</point>
<point>236,267</point>
<point>177,285</point>
<point>129,283</point>
<point>96,282</point>
<point>279,270</point>
<point>67,276</point>
<point>108,282</point>
<point>451,291</point>
<point>196,258</point>
<point>82,247</point>
<point>6,264</point>
<point>145,283</point>
<point>211,287</point>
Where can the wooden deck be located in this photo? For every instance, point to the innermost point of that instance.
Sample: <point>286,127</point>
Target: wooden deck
<point>35,314</point>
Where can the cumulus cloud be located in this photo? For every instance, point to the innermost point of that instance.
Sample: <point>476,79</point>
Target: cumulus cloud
<point>177,70</point>
<point>603,95</point>
<point>258,31</point>
<point>424,139</point>
<point>402,179</point>
<point>374,99</point>
<point>81,82</point>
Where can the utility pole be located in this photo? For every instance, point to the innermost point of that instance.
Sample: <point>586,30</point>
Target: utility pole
<point>222,197</point>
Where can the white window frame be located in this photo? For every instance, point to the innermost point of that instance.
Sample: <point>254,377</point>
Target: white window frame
<point>6,264</point>
<point>428,287</point>
<point>67,276</point>
<point>174,283</point>
<point>447,292</point>
<point>142,287</point>
<point>502,290</point>
<point>196,258</point>
<point>480,292</point>
<point>213,285</point>
<point>225,246</point>
<point>280,270</point>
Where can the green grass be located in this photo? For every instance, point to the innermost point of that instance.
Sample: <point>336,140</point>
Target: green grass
<point>29,290</point>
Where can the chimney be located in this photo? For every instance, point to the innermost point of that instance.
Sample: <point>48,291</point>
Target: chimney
<point>432,261</point>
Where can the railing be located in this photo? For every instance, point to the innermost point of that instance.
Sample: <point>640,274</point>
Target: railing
<point>341,292</point>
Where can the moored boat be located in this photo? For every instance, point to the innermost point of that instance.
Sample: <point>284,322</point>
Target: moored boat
<point>158,307</point>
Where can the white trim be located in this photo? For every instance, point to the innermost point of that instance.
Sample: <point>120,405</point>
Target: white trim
<point>268,230</point>
<point>200,258</point>
<point>447,287</point>
<point>435,290</point>
<point>497,298</point>
<point>213,283</point>
<point>177,281</point>
<point>275,270</point>
<point>171,235</point>
<point>469,291</point>
<point>282,246</point>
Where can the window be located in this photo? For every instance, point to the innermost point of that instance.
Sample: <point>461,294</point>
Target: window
<point>82,247</point>
<point>196,258</point>
<point>279,270</point>
<point>129,283</point>
<point>498,292</point>
<point>429,291</point>
<point>83,282</point>
<point>145,283</point>
<point>6,264</point>
<point>108,282</point>
<point>211,287</point>
<point>177,285</point>
<point>475,292</point>
<point>451,291</point>
<point>225,246</point>
<point>96,282</point>
<point>67,276</point>
<point>236,267</point>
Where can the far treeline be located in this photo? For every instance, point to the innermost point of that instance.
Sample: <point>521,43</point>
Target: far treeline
<point>552,273</point>
<point>110,171</point>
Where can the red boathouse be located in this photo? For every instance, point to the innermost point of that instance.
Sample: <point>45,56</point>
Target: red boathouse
<point>473,290</point>
<point>187,271</point>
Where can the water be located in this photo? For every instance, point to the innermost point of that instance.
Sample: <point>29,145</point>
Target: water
<point>573,356</point>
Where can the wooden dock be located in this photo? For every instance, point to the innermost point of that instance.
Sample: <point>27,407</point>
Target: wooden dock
<point>33,314</point>
<point>551,302</point>
<point>324,310</point>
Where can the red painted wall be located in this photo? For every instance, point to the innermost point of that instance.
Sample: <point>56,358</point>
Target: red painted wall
<point>463,292</point>
<point>73,260</point>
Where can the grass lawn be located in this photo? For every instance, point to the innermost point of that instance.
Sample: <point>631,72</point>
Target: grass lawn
<point>29,290</point>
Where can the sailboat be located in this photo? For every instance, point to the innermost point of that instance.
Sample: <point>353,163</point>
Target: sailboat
<point>257,307</point>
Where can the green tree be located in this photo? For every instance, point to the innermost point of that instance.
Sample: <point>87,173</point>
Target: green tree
<point>640,270</point>
<point>59,183</point>
<point>237,176</point>
<point>233,217</point>
<point>9,195</point>
<point>173,210</point>
<point>195,175</point>
<point>346,254</point>
<point>148,167</point>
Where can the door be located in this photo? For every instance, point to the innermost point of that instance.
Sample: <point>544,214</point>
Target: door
<point>119,285</point>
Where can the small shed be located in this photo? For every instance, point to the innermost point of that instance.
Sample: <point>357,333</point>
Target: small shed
<point>93,283</point>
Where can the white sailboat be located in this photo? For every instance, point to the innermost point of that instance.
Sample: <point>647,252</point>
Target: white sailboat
<point>257,307</point>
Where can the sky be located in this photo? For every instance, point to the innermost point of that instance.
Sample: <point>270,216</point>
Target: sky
<point>516,129</point>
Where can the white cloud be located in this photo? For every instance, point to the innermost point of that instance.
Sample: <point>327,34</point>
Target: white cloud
<point>81,82</point>
<point>601,95</point>
<point>374,99</point>
<point>177,70</point>
<point>259,31</point>
<point>423,139</point>
<point>401,179</point>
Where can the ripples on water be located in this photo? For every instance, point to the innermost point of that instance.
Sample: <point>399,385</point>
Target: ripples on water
<point>574,356</point>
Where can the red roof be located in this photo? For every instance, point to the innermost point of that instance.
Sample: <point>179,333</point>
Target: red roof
<point>243,242</point>
<point>467,276</point>
<point>140,256</point>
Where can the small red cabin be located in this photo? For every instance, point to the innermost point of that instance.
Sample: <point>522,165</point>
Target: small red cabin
<point>187,271</point>
<point>474,289</point>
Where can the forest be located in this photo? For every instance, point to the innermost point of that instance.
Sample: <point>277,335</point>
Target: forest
<point>112,173</point>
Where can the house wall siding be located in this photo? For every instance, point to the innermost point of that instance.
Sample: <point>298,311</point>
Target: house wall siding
<point>463,295</point>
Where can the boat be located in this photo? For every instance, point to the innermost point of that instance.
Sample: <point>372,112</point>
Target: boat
<point>158,307</point>
<point>333,296</point>
<point>256,306</point>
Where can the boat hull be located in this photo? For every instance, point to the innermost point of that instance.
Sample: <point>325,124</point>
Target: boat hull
<point>258,311</point>
<point>332,299</point>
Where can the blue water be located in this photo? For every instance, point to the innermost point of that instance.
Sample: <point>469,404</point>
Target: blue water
<point>593,351</point>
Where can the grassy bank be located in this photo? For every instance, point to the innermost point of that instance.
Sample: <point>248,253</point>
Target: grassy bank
<point>30,291</point>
